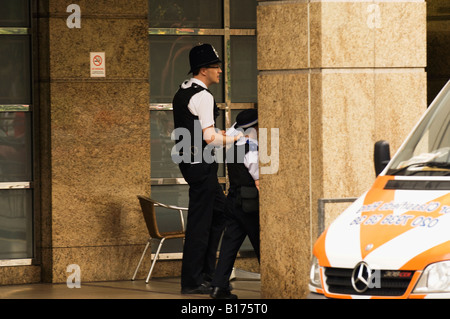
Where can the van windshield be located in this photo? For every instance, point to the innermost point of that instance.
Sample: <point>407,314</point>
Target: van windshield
<point>427,152</point>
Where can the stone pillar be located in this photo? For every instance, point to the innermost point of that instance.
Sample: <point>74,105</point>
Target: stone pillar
<point>438,46</point>
<point>334,77</point>
<point>95,137</point>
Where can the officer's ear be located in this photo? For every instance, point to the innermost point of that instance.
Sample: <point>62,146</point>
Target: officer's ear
<point>202,71</point>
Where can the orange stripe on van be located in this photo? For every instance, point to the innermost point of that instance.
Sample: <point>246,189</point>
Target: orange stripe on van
<point>374,235</point>
<point>435,254</point>
<point>379,234</point>
<point>319,250</point>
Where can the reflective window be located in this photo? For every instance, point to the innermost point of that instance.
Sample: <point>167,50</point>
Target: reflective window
<point>243,14</point>
<point>15,147</point>
<point>16,227</point>
<point>169,65</point>
<point>161,125</point>
<point>15,69</point>
<point>186,13</point>
<point>427,150</point>
<point>244,70</point>
<point>14,13</point>
<point>16,117</point>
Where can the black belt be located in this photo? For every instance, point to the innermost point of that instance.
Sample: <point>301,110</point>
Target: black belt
<point>194,153</point>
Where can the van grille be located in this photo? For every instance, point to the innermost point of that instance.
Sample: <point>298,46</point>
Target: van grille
<point>391,283</point>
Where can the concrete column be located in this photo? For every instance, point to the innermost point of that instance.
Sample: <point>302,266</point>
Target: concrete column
<point>438,46</point>
<point>334,77</point>
<point>95,142</point>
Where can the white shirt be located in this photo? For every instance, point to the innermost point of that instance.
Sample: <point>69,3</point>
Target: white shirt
<point>201,104</point>
<point>251,160</point>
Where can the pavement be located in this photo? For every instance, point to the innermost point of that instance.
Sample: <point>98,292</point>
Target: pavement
<point>159,296</point>
<point>157,288</point>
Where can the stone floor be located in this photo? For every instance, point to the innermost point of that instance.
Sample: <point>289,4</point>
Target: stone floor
<point>157,288</point>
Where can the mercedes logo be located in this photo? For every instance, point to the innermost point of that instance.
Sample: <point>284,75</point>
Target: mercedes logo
<point>361,277</point>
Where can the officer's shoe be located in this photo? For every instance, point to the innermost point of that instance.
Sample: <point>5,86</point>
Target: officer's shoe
<point>203,289</point>
<point>222,293</point>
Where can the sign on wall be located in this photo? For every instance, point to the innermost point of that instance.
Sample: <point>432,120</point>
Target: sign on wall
<point>98,64</point>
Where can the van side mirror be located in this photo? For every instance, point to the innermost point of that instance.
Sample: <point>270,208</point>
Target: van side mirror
<point>382,156</point>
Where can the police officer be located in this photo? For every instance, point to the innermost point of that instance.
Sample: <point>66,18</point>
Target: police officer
<point>194,109</point>
<point>242,209</point>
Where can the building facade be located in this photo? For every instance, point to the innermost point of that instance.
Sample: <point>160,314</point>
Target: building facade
<point>85,118</point>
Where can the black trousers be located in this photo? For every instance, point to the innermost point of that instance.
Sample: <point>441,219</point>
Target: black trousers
<point>238,225</point>
<point>205,223</point>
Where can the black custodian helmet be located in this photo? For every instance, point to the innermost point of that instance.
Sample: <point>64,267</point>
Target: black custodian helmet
<point>247,118</point>
<point>202,55</point>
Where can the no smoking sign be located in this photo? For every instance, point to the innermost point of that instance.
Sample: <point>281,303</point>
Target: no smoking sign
<point>97,64</point>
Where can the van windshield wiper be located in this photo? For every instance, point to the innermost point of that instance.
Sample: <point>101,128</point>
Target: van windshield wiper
<point>431,164</point>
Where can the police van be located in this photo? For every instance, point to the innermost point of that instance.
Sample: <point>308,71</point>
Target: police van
<point>394,240</point>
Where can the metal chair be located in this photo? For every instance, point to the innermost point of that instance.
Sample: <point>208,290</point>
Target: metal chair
<point>148,209</point>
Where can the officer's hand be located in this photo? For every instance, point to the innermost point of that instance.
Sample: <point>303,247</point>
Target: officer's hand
<point>238,136</point>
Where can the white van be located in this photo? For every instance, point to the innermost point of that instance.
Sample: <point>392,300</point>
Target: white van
<point>394,241</point>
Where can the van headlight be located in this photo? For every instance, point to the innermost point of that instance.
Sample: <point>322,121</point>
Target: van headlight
<point>435,278</point>
<point>314,274</point>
